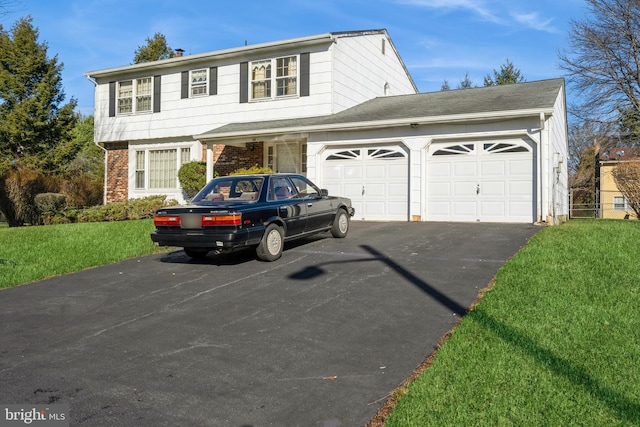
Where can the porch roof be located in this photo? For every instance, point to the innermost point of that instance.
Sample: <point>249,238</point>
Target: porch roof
<point>507,101</point>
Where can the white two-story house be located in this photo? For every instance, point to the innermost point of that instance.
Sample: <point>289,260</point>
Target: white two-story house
<point>342,109</point>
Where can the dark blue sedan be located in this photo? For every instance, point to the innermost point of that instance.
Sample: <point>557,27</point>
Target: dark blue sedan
<point>261,211</point>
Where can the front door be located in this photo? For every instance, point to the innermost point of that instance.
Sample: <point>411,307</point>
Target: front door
<point>286,157</point>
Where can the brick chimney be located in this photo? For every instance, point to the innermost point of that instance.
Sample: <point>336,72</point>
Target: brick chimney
<point>179,53</point>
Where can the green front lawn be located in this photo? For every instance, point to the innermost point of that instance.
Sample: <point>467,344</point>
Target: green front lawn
<point>555,341</point>
<point>33,253</point>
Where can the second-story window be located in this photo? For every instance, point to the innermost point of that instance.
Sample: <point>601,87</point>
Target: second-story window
<point>143,94</point>
<point>285,79</point>
<point>287,76</point>
<point>140,91</point>
<point>125,97</point>
<point>199,82</point>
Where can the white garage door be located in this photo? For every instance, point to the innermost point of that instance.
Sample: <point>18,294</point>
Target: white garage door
<point>374,178</point>
<point>488,181</point>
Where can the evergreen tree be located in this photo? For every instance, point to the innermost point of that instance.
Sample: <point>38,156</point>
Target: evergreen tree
<point>466,83</point>
<point>508,74</point>
<point>33,118</point>
<point>155,50</point>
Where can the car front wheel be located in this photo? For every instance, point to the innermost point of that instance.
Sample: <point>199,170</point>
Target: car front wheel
<point>340,225</point>
<point>272,243</point>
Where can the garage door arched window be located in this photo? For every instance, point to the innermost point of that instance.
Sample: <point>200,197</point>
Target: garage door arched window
<point>456,149</point>
<point>504,148</point>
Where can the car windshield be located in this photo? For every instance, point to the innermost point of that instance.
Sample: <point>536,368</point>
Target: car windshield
<point>241,188</point>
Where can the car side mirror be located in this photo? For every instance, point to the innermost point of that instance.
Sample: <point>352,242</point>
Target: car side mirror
<point>324,192</point>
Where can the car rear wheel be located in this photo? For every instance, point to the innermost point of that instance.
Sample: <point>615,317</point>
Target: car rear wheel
<point>196,253</point>
<point>340,226</point>
<point>272,243</point>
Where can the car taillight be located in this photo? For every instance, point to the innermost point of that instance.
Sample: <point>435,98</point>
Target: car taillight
<point>213,220</point>
<point>166,221</point>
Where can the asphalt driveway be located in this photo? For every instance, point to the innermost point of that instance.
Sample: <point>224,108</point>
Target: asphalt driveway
<point>318,338</point>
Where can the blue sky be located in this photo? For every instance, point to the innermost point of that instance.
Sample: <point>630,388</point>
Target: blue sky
<point>437,39</point>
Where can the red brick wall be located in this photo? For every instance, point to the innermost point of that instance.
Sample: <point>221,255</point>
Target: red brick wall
<point>227,158</point>
<point>117,172</point>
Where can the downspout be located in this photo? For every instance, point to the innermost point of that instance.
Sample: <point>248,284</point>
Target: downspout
<point>544,166</point>
<point>104,189</point>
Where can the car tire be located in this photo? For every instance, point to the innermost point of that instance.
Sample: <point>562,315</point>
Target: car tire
<point>340,226</point>
<point>272,243</point>
<point>196,253</point>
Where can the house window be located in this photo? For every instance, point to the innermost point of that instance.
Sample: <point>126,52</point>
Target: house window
<point>287,76</point>
<point>140,90</point>
<point>163,168</point>
<point>143,94</point>
<point>139,169</point>
<point>125,97</point>
<point>270,157</point>
<point>199,82</point>
<point>620,203</point>
<point>185,155</point>
<point>285,79</point>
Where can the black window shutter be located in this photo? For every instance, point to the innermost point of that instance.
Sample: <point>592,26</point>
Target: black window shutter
<point>184,85</point>
<point>213,81</point>
<point>112,99</point>
<point>304,74</point>
<point>156,93</point>
<point>244,82</point>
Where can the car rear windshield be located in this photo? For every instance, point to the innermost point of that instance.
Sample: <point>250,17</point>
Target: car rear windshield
<point>232,189</point>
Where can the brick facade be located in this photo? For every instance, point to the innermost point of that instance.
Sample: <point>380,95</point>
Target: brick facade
<point>227,158</point>
<point>117,172</point>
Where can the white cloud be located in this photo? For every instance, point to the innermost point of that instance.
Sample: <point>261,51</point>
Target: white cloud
<point>533,20</point>
<point>476,6</point>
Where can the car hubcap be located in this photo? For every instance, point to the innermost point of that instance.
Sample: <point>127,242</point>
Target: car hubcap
<point>343,223</point>
<point>274,241</point>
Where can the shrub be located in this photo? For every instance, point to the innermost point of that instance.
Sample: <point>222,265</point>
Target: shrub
<point>82,191</point>
<point>192,177</point>
<point>49,202</point>
<point>252,170</point>
<point>18,189</point>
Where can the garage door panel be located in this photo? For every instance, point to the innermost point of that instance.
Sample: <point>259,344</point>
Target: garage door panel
<point>493,168</point>
<point>398,190</point>
<point>493,188</point>
<point>376,190</point>
<point>465,169</point>
<point>465,188</point>
<point>462,208</point>
<point>520,168</point>
<point>440,170</point>
<point>397,171</point>
<point>439,189</point>
<point>480,181</point>
<point>376,179</point>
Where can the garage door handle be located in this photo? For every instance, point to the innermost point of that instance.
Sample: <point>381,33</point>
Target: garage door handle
<point>478,189</point>
<point>363,190</point>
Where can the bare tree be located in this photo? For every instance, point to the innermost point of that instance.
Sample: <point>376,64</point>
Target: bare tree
<point>603,60</point>
<point>627,178</point>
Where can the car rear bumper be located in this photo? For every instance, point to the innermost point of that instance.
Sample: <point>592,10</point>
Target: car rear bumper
<point>210,239</point>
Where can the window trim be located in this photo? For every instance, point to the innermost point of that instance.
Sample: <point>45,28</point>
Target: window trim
<point>142,172</point>
<point>206,72</point>
<point>271,82</point>
<point>134,98</point>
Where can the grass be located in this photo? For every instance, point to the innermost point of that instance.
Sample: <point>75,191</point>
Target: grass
<point>33,253</point>
<point>554,341</point>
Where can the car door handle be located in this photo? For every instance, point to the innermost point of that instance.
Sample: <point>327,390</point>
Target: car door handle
<point>309,205</point>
